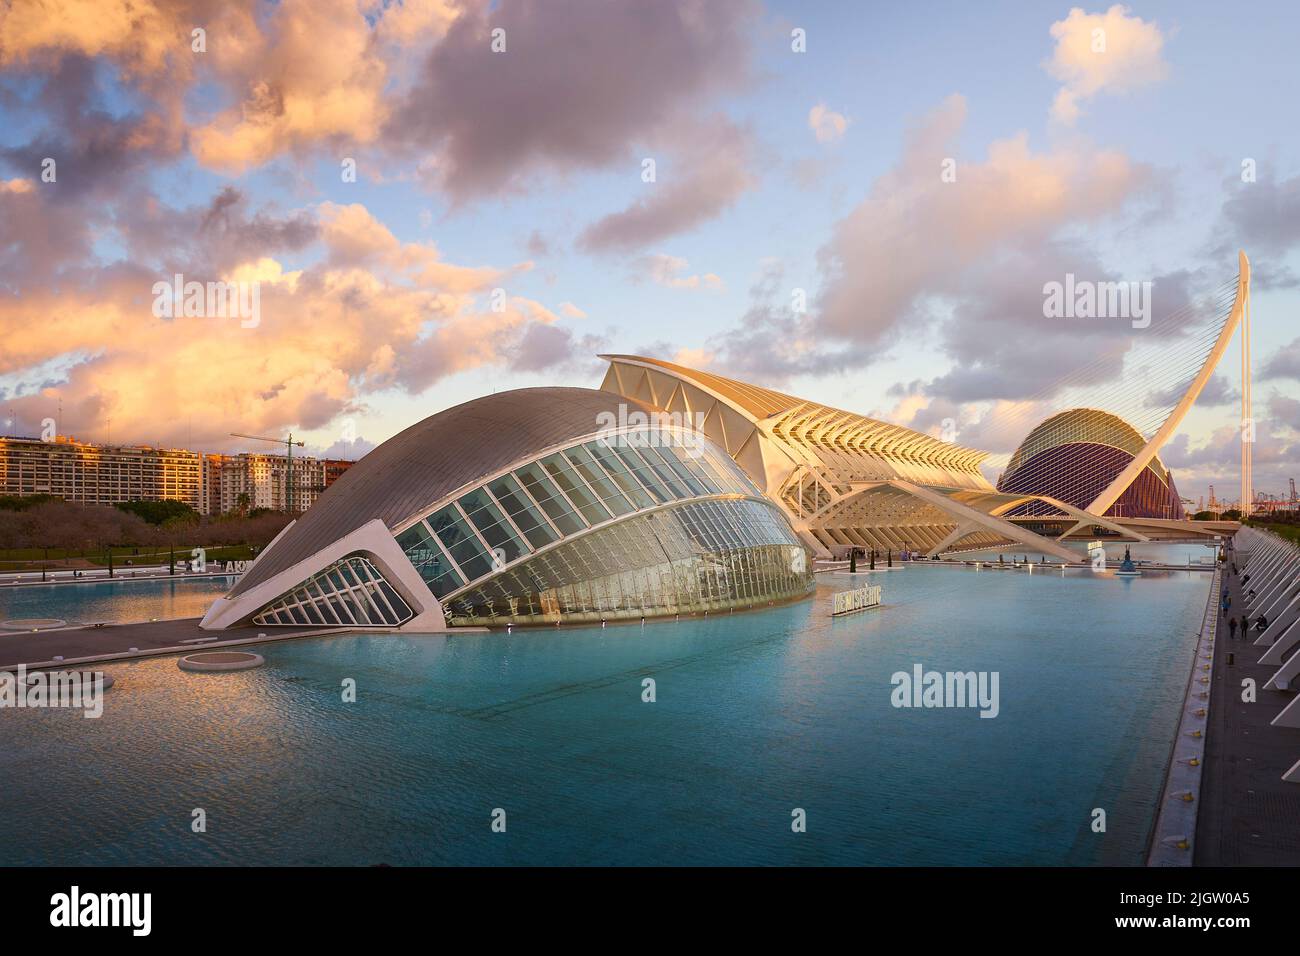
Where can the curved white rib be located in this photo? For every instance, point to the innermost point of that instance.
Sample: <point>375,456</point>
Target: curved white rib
<point>1129,474</point>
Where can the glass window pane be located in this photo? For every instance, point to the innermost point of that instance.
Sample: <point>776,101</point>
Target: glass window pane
<point>487,517</point>
<point>559,469</point>
<point>460,542</point>
<point>622,477</point>
<point>668,457</point>
<point>609,494</point>
<point>530,521</point>
<point>550,500</point>
<point>729,471</point>
<point>420,547</point>
<point>472,503</point>
<point>428,559</point>
<point>675,486</point>
<point>654,484</point>
<point>692,456</point>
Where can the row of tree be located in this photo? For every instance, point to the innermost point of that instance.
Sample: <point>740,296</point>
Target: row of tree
<point>46,522</point>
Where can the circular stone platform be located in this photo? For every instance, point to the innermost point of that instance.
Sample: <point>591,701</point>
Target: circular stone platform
<point>220,661</point>
<point>32,624</point>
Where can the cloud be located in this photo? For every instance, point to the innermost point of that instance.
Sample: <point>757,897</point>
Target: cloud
<point>553,347</point>
<point>1217,459</point>
<point>289,94</point>
<point>710,174</point>
<point>355,238</point>
<point>1217,391</point>
<point>670,271</point>
<point>1284,363</point>
<point>538,246</point>
<point>1108,52</point>
<point>364,313</point>
<point>96,151</point>
<point>1262,217</point>
<point>827,125</point>
<point>349,450</point>
<point>746,350</point>
<point>65,48</point>
<point>917,236</point>
<point>576,86</point>
<point>121,29</point>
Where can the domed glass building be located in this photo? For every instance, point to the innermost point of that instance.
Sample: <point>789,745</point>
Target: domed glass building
<point>531,506</point>
<point>1073,456</point>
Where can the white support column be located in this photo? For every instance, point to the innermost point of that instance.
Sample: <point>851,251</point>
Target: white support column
<point>1289,716</point>
<point>963,528</point>
<point>1277,597</point>
<point>1285,675</point>
<point>1281,637</point>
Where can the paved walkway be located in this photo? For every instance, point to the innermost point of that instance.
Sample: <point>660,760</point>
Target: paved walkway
<point>114,642</point>
<point>1248,816</point>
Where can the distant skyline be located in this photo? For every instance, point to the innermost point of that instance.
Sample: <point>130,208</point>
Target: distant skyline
<point>860,204</point>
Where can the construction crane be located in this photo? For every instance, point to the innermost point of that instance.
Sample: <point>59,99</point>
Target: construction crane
<point>1293,500</point>
<point>288,443</point>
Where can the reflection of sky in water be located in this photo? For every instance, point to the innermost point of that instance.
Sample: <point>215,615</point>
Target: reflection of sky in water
<point>1155,552</point>
<point>757,713</point>
<point>121,601</point>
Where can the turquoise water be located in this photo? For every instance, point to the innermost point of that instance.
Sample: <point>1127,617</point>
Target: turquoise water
<point>121,601</point>
<point>756,714</point>
<point>1155,552</point>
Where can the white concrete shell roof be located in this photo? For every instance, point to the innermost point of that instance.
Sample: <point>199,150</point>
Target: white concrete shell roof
<point>431,459</point>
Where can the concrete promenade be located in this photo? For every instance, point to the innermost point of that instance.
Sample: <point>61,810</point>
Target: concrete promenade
<point>1249,816</point>
<point>84,645</point>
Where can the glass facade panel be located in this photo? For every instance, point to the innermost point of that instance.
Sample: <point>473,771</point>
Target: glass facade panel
<point>695,557</point>
<point>653,483</point>
<point>460,542</point>
<point>427,558</point>
<point>692,458</point>
<point>492,525</point>
<point>676,487</point>
<point>560,470</point>
<point>669,457</point>
<point>506,490</point>
<point>607,491</point>
<point>618,471</point>
<point>701,556</point>
<point>349,593</point>
<point>549,499</point>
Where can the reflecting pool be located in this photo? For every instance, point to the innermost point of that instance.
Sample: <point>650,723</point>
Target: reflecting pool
<point>756,715</point>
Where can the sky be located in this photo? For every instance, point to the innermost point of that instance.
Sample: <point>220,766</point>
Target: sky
<point>857,203</point>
